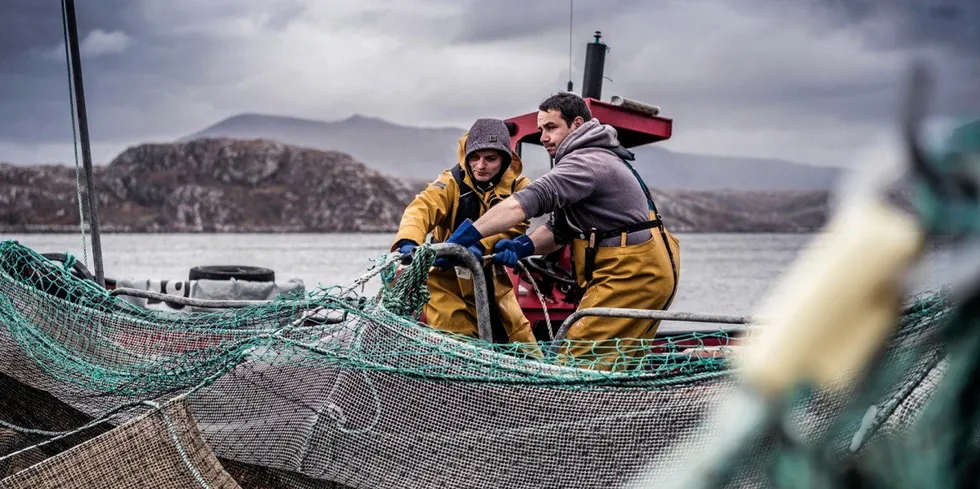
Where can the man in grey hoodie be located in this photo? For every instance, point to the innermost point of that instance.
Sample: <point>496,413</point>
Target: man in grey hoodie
<point>600,206</point>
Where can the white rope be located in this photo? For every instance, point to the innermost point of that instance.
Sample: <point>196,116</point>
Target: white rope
<point>544,307</point>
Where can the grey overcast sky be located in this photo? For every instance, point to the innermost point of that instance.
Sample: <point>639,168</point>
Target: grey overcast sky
<point>813,81</point>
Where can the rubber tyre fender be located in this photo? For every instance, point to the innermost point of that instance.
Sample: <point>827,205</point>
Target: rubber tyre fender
<point>79,270</point>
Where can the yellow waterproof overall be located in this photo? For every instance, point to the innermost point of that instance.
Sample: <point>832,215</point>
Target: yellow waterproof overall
<point>637,276</point>
<point>452,306</point>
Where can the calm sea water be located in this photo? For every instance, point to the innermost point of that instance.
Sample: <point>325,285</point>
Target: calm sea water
<point>721,273</point>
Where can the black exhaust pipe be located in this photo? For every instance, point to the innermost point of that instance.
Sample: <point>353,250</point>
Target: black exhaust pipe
<point>595,60</point>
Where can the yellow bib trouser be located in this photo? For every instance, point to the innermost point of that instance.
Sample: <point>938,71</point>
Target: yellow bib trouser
<point>452,306</point>
<point>635,276</point>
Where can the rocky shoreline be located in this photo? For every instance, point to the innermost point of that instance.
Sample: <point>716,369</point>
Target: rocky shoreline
<point>225,185</point>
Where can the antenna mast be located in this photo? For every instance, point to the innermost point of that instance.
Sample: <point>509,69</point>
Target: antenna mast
<point>570,17</point>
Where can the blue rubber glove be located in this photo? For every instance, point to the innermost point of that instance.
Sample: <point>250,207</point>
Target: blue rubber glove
<point>465,235</point>
<point>446,262</point>
<point>406,247</point>
<point>508,252</point>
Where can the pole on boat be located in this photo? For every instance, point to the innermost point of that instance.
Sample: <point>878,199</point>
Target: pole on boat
<point>71,29</point>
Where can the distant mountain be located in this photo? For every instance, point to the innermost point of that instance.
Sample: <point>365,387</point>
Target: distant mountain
<point>412,153</point>
<point>418,154</point>
<point>229,185</point>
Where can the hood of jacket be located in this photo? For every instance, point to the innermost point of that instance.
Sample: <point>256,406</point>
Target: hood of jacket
<point>592,134</point>
<point>505,180</point>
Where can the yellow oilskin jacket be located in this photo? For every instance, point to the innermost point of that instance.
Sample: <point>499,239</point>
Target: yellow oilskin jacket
<point>440,209</point>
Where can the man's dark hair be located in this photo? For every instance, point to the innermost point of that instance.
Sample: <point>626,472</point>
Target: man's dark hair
<point>570,106</point>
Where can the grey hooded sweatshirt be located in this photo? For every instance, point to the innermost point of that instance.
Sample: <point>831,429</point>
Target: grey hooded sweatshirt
<point>591,184</point>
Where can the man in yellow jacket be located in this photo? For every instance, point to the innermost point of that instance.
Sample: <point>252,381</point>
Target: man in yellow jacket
<point>488,172</point>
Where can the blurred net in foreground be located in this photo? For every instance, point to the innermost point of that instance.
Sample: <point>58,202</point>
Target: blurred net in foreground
<point>328,389</point>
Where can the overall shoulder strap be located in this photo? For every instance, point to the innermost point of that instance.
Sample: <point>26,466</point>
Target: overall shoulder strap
<point>626,156</point>
<point>469,205</point>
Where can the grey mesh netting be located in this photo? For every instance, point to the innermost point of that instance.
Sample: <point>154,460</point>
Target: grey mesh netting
<point>330,389</point>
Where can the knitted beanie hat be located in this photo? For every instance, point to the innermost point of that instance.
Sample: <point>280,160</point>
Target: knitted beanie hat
<point>489,134</point>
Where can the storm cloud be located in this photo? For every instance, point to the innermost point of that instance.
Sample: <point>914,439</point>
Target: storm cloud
<point>814,81</point>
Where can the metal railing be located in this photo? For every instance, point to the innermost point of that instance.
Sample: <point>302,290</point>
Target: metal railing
<point>645,314</point>
<point>483,306</point>
<point>187,301</point>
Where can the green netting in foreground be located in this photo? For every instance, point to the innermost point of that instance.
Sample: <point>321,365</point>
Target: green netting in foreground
<point>107,344</point>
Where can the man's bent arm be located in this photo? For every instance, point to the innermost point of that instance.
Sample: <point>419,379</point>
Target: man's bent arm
<point>506,215</point>
<point>501,217</point>
<point>563,185</point>
<point>544,241</point>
